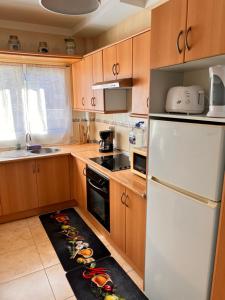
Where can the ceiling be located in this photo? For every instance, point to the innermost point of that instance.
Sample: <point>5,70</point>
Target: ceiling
<point>23,14</point>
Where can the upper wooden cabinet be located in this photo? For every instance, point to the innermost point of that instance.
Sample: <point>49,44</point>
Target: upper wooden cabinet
<point>185,30</point>
<point>206,29</point>
<point>93,74</point>
<point>141,74</point>
<point>53,181</point>
<point>18,186</point>
<point>117,61</point>
<point>168,33</point>
<point>79,89</point>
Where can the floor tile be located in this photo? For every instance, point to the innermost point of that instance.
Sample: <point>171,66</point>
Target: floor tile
<point>34,286</point>
<point>14,235</point>
<point>59,283</point>
<point>18,263</point>
<point>136,278</point>
<point>33,221</point>
<point>47,254</point>
<point>38,233</point>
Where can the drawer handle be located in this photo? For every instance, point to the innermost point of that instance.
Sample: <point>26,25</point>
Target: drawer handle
<point>85,172</point>
<point>188,47</point>
<point>178,41</point>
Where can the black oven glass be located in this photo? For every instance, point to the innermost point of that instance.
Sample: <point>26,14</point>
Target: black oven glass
<point>98,197</point>
<point>140,163</point>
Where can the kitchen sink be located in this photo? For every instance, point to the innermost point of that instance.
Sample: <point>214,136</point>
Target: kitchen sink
<point>44,151</point>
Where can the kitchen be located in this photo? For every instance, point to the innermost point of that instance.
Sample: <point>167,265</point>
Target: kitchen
<point>103,113</point>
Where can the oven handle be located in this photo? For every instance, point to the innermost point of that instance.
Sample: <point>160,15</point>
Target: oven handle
<point>96,187</point>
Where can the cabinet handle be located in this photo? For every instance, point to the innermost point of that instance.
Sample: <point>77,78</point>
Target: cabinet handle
<point>127,197</point>
<point>38,168</point>
<point>84,172</point>
<point>178,41</point>
<point>82,100</point>
<point>117,69</point>
<point>121,199</point>
<point>113,69</point>
<point>188,47</point>
<point>94,102</point>
<point>34,168</point>
<point>148,102</point>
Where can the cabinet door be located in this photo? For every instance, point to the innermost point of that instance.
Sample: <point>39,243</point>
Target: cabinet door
<point>78,85</point>
<point>135,229</point>
<point>124,59</point>
<point>53,180</point>
<point>206,20</point>
<point>79,183</point>
<point>117,214</point>
<point>18,186</point>
<point>168,33</point>
<point>98,77</point>
<point>141,73</point>
<point>109,61</point>
<point>89,105</point>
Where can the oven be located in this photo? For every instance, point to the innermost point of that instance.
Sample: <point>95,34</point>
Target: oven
<point>98,196</point>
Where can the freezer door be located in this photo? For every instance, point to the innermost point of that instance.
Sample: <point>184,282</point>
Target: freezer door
<point>180,245</point>
<point>189,156</point>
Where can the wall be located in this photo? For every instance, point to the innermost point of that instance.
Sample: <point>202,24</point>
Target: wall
<point>30,40</point>
<point>130,26</point>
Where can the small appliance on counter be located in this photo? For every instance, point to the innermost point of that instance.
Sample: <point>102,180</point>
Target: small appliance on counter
<point>139,161</point>
<point>188,100</point>
<point>106,142</point>
<point>217,92</point>
<point>117,162</point>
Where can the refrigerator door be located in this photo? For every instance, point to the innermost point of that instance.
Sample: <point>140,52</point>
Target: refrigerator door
<point>189,156</point>
<point>180,245</point>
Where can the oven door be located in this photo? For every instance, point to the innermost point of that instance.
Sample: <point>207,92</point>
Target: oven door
<point>98,197</point>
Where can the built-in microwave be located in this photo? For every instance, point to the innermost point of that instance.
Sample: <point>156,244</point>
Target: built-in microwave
<point>139,161</point>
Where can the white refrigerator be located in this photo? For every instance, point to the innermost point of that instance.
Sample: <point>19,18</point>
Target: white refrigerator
<point>186,168</point>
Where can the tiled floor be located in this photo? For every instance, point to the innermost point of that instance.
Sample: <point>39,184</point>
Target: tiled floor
<point>29,267</point>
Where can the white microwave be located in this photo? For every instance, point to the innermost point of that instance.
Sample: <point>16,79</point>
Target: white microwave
<point>139,161</point>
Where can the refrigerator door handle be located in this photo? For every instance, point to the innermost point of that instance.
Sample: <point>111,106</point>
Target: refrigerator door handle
<point>192,196</point>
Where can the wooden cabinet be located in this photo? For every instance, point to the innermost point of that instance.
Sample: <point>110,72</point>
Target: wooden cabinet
<point>168,26</point>
<point>79,183</point>
<point>128,221</point>
<point>206,27</point>
<point>53,180</point>
<point>141,74</point>
<point>185,30</point>
<point>18,186</point>
<point>93,74</point>
<point>117,214</point>
<point>117,61</point>
<point>218,290</point>
<point>79,89</point>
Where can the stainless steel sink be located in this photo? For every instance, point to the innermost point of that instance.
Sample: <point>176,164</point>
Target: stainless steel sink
<point>44,151</point>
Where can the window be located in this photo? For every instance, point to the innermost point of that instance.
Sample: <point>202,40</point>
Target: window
<point>34,99</point>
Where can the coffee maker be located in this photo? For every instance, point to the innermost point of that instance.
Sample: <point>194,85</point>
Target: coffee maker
<point>106,142</point>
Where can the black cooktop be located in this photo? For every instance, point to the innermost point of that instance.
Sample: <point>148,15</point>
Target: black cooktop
<point>113,163</point>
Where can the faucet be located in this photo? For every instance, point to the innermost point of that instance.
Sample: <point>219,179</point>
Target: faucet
<point>28,140</point>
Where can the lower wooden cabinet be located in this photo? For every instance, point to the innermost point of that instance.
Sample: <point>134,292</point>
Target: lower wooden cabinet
<point>53,180</point>
<point>33,183</point>
<point>18,186</point>
<point>79,183</point>
<point>128,222</point>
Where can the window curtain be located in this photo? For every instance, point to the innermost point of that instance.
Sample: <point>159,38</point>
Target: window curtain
<point>34,99</point>
<point>12,116</point>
